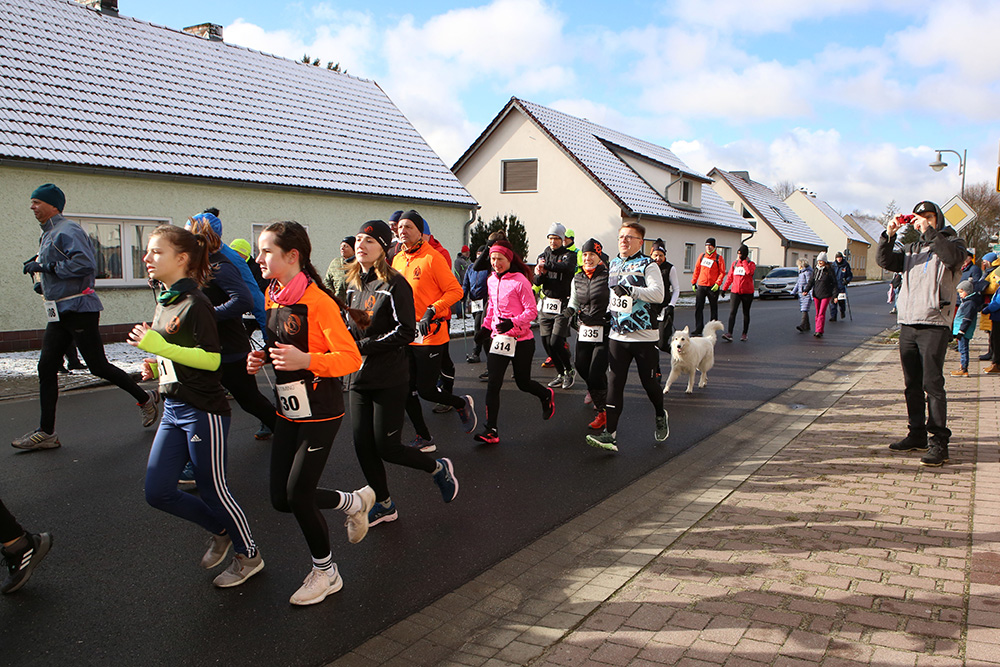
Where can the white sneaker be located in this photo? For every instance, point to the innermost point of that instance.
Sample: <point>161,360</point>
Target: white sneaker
<point>241,569</point>
<point>218,549</point>
<point>357,522</point>
<point>317,585</point>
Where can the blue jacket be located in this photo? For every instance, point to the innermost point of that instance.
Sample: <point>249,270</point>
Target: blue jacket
<point>993,307</point>
<point>68,255</point>
<point>965,318</point>
<point>474,283</point>
<point>258,296</point>
<point>843,273</point>
<point>802,288</point>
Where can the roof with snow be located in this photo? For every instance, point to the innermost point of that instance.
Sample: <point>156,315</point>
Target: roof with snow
<point>869,225</point>
<point>769,206</point>
<point>591,146</point>
<point>83,88</point>
<point>835,218</point>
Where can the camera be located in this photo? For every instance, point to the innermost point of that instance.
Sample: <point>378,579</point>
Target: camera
<point>905,219</point>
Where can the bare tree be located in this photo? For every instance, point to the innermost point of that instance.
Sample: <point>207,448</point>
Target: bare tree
<point>985,201</point>
<point>784,188</point>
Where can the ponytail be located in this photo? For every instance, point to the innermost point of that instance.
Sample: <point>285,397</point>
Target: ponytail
<point>195,246</point>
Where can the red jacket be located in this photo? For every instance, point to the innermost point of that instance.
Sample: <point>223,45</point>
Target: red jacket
<point>741,277</point>
<point>709,270</point>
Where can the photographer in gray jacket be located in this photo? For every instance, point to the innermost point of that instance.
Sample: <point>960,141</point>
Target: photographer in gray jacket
<point>931,268</point>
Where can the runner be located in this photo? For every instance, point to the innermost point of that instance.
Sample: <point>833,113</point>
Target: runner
<point>435,291</point>
<point>554,275</point>
<point>740,276</point>
<point>22,551</point>
<point>637,285</point>
<point>63,272</point>
<point>589,302</point>
<point>474,289</point>
<point>379,388</point>
<point>195,421</point>
<point>510,309</point>
<point>664,313</point>
<point>310,349</point>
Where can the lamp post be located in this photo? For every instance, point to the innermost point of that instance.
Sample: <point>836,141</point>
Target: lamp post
<point>938,164</point>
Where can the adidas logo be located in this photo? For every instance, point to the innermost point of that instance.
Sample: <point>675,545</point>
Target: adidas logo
<point>195,438</point>
<point>26,558</point>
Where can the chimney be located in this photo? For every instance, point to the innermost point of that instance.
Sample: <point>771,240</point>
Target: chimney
<point>108,7</point>
<point>209,31</point>
<point>745,175</point>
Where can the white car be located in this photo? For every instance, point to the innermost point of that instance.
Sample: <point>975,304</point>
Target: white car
<point>779,282</point>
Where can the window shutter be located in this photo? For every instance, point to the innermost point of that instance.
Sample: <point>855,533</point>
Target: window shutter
<point>520,176</point>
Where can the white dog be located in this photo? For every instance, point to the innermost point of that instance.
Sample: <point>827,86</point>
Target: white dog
<point>688,355</point>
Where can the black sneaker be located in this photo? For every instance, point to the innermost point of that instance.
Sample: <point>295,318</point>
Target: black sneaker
<point>489,436</point>
<point>20,564</point>
<point>549,405</point>
<point>473,359</point>
<point>936,456</point>
<point>909,444</point>
<point>484,376</point>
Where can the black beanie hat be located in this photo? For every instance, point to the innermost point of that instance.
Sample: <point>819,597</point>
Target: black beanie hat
<point>710,241</point>
<point>415,218</point>
<point>349,240</point>
<point>395,216</point>
<point>743,250</point>
<point>658,244</point>
<point>592,245</point>
<point>379,231</point>
<point>50,194</point>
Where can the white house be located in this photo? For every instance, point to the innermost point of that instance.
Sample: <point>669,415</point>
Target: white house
<point>780,236</point>
<point>871,229</point>
<point>140,124</point>
<point>546,166</point>
<point>833,229</point>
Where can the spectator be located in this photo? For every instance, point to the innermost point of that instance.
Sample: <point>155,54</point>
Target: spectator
<point>844,275</point>
<point>474,288</point>
<point>965,324</point>
<point>802,289</point>
<point>824,286</point>
<point>336,273</point>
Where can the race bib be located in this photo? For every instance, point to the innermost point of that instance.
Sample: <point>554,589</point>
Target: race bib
<point>620,304</point>
<point>419,338</point>
<point>707,262</point>
<point>739,271</point>
<point>51,311</point>
<point>293,400</point>
<point>477,306</point>
<point>589,334</point>
<point>842,296</point>
<point>166,371</point>
<point>503,345</point>
<point>551,306</point>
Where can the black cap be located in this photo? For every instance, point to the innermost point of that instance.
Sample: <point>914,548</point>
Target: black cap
<point>592,245</point>
<point>415,218</point>
<point>710,241</point>
<point>349,240</point>
<point>379,231</point>
<point>658,244</point>
<point>926,207</point>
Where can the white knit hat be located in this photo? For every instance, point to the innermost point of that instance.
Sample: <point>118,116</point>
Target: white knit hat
<point>557,230</point>
<point>822,257</point>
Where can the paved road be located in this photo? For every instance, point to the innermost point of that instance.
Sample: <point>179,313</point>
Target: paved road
<point>122,584</point>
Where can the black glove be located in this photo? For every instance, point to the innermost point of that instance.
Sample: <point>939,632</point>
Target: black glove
<point>34,267</point>
<point>482,337</point>
<point>668,312</point>
<point>504,325</point>
<point>569,312</point>
<point>623,289</point>
<point>424,325</point>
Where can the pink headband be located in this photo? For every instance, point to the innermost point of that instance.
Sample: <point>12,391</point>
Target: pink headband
<point>503,250</point>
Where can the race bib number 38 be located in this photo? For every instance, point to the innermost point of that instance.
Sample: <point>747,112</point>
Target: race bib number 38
<point>293,400</point>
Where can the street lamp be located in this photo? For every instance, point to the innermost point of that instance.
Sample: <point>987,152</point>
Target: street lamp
<point>938,164</point>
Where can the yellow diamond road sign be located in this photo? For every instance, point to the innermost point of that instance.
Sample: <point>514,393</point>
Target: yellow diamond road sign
<point>958,213</point>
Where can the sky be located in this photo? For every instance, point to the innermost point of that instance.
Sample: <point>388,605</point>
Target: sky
<point>847,98</point>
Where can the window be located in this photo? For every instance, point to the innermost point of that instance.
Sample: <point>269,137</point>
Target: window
<point>119,245</point>
<point>795,257</point>
<point>257,227</point>
<point>519,176</point>
<point>689,257</point>
<point>686,192</point>
<point>747,213</point>
<point>725,252</point>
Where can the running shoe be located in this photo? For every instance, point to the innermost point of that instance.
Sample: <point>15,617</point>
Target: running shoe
<point>426,446</point>
<point>662,427</point>
<point>473,359</point>
<point>75,366</point>
<point>218,549</point>
<point>187,475</point>
<point>599,421</point>
<point>743,338</point>
<point>467,414</point>
<point>548,363</point>
<point>317,585</point>
<point>150,410</point>
<point>263,433</point>
<point>569,377</point>
<point>241,569</point>
<point>488,436</point>
<point>37,439</point>
<point>446,480</point>
<point>22,562</point>
<point>441,408</point>
<point>603,440</point>
<point>549,404</point>
<point>728,337</point>
<point>484,376</point>
<point>557,381</point>
<point>379,513</point>
<point>357,521</point>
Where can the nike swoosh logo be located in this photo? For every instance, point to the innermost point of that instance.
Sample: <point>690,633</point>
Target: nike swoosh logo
<point>434,355</point>
<point>313,449</point>
<point>389,435</point>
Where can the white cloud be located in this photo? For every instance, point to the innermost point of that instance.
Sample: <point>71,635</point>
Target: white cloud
<point>959,35</point>
<point>764,16</point>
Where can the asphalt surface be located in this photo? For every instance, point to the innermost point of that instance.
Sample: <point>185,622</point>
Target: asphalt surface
<point>122,584</point>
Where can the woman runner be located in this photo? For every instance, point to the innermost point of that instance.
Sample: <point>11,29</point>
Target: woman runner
<point>741,278</point>
<point>510,308</point>
<point>195,420</point>
<point>589,301</point>
<point>310,349</point>
<point>380,388</point>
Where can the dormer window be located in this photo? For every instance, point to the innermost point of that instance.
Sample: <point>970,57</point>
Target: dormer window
<point>686,192</point>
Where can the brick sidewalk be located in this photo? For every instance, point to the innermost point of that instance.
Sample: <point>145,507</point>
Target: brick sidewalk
<point>809,545</point>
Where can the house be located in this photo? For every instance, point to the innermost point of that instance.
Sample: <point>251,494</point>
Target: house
<point>871,229</point>
<point>833,229</point>
<point>141,124</point>
<point>780,236</point>
<point>546,166</point>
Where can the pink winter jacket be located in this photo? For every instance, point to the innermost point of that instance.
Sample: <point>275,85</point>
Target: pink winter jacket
<point>511,297</point>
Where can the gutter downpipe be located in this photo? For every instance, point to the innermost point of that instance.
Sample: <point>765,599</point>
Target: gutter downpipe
<point>467,226</point>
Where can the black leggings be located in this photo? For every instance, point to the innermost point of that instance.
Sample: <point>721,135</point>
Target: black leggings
<point>377,419</point>
<point>83,328</point>
<point>298,456</point>
<point>620,356</point>
<point>592,365</point>
<point>496,364</point>
<point>447,369</point>
<point>555,347</point>
<point>243,387</point>
<point>425,367</point>
<point>701,293</point>
<point>10,529</point>
<point>740,299</point>
<point>477,324</point>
